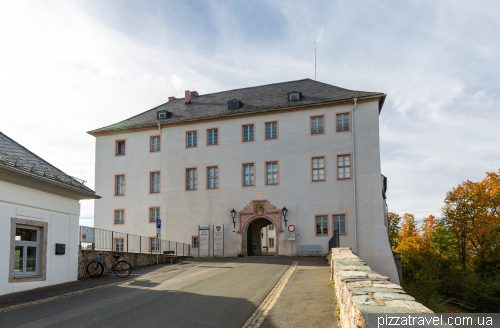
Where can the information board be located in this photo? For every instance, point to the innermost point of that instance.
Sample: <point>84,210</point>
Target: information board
<point>219,237</point>
<point>204,238</point>
<point>87,235</point>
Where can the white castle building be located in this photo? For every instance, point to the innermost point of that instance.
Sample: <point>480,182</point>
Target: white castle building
<point>305,145</point>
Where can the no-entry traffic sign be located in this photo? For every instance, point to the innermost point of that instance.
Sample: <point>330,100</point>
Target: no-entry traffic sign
<point>291,228</point>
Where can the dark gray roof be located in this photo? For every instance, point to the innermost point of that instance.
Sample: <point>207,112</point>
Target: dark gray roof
<point>254,99</point>
<point>15,157</point>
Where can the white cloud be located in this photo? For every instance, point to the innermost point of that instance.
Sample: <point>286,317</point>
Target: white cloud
<point>70,67</point>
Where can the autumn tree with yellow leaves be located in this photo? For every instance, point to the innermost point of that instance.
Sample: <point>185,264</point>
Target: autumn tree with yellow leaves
<point>457,256</point>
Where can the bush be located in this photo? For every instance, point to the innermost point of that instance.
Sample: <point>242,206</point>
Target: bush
<point>483,293</point>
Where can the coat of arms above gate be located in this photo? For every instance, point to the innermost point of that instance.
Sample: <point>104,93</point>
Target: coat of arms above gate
<point>260,209</point>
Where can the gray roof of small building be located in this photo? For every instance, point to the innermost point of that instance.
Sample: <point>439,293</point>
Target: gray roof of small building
<point>15,157</point>
<point>254,99</point>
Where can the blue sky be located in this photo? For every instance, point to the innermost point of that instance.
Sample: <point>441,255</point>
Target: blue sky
<point>67,67</point>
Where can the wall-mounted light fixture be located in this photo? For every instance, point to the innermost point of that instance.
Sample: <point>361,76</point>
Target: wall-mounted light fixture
<point>233,215</point>
<point>284,211</point>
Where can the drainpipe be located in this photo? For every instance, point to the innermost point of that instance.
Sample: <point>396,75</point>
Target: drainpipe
<point>161,179</point>
<point>354,181</point>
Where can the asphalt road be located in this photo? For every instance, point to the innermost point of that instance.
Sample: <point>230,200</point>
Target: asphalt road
<point>216,293</point>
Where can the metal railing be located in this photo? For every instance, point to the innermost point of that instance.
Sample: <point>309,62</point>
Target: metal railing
<point>334,242</point>
<point>113,241</point>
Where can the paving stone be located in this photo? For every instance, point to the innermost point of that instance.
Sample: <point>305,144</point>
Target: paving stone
<point>386,285</point>
<point>375,289</point>
<point>364,300</point>
<point>392,296</point>
<point>347,274</point>
<point>409,305</point>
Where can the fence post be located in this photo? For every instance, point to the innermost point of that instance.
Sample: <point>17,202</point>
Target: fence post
<point>127,243</point>
<point>112,239</point>
<point>140,244</point>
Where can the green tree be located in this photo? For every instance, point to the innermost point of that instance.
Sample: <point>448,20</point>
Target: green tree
<point>394,229</point>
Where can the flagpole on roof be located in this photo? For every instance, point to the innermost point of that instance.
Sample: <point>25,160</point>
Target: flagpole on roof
<point>314,60</point>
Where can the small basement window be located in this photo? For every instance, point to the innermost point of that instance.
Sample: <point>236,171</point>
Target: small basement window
<point>233,104</point>
<point>296,95</point>
<point>163,114</point>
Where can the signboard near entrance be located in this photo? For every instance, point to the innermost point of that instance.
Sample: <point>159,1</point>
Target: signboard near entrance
<point>219,237</point>
<point>204,238</point>
<point>290,235</point>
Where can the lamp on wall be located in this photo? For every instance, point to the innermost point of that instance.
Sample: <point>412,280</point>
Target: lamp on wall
<point>284,211</point>
<point>233,215</point>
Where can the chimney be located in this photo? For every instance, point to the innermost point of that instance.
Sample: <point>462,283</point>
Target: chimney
<point>194,94</point>
<point>171,98</point>
<point>187,98</point>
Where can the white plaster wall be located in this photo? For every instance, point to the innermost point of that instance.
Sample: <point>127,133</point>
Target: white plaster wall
<point>182,211</point>
<point>60,213</point>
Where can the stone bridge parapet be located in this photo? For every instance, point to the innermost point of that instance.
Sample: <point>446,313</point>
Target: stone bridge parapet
<point>361,291</point>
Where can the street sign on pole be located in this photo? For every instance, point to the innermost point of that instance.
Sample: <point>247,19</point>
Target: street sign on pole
<point>291,228</point>
<point>158,228</point>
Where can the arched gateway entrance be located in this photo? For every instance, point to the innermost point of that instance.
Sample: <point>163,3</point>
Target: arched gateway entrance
<point>252,218</point>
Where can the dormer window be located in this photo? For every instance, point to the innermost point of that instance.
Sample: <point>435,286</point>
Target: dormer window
<point>162,114</point>
<point>233,104</point>
<point>293,96</point>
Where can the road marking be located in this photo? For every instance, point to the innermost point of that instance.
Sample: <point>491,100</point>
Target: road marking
<point>66,315</point>
<point>261,313</point>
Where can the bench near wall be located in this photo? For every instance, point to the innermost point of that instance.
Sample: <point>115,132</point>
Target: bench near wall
<point>361,291</point>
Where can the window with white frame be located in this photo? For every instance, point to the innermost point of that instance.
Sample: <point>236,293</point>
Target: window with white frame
<point>339,222</point>
<point>26,253</point>
<point>271,173</point>
<point>190,179</point>
<point>119,216</point>
<point>154,244</point>
<point>120,147</point>
<point>318,169</point>
<point>321,225</point>
<point>195,242</point>
<point>120,185</point>
<point>213,137</point>
<point>119,244</point>
<point>212,177</point>
<point>317,125</point>
<point>344,167</point>
<point>342,122</point>
<point>192,139</point>
<point>155,182</point>
<point>154,214</point>
<point>248,133</point>
<point>270,227</point>
<point>271,242</point>
<point>271,130</point>
<point>248,174</point>
<point>155,143</point>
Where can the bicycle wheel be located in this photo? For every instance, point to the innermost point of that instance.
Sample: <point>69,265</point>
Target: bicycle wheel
<point>95,269</point>
<point>123,269</point>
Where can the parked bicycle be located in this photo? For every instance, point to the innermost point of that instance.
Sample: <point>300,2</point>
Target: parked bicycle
<point>120,267</point>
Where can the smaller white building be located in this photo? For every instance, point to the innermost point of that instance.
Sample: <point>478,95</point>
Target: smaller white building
<point>268,240</point>
<point>39,220</point>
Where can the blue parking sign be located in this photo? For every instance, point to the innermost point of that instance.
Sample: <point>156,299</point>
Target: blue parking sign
<point>158,223</point>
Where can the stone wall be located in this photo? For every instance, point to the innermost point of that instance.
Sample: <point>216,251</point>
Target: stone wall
<point>135,259</point>
<point>361,291</point>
